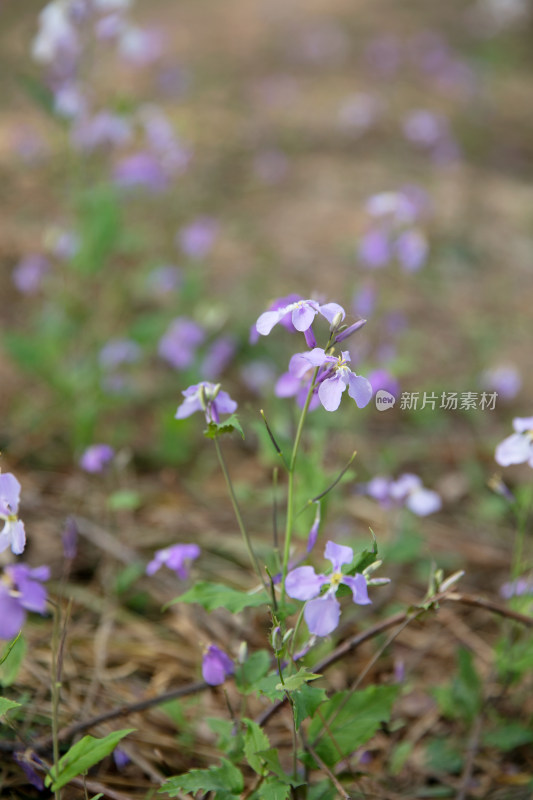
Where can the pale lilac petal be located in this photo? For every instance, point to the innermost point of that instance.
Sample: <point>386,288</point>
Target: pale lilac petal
<point>423,502</point>
<point>322,615</point>
<point>18,537</point>
<point>330,392</point>
<point>9,494</point>
<point>12,615</point>
<point>267,320</point>
<point>303,316</point>
<point>303,583</point>
<point>5,537</point>
<point>359,389</point>
<point>224,404</point>
<point>189,406</point>
<point>515,449</point>
<point>154,565</point>
<point>357,584</point>
<point>405,484</point>
<point>523,424</point>
<point>379,488</point>
<point>287,385</point>
<point>33,596</point>
<point>330,311</point>
<point>338,554</point>
<point>178,556</point>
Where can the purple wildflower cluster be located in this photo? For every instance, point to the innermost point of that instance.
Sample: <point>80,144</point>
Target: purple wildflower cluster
<point>394,231</point>
<point>21,588</point>
<point>321,370</point>
<point>206,397</point>
<point>407,490</point>
<point>177,558</point>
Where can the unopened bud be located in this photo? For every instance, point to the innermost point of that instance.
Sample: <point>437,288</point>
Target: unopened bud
<point>345,332</point>
<point>242,653</point>
<point>276,639</point>
<point>378,581</point>
<point>451,581</point>
<point>372,567</point>
<point>337,319</point>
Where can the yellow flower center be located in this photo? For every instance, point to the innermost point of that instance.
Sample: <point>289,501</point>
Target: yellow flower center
<point>336,578</point>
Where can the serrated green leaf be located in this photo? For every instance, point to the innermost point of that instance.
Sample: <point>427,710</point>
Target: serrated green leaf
<point>267,686</point>
<point>359,716</point>
<point>226,780</point>
<point>294,682</point>
<point>444,757</point>
<point>229,425</point>
<point>508,735</point>
<point>306,701</point>
<point>216,595</point>
<point>271,759</point>
<point>6,705</point>
<point>82,756</point>
<point>272,789</point>
<point>255,740</point>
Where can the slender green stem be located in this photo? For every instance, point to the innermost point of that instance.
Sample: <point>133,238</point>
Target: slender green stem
<point>290,486</point>
<point>236,509</point>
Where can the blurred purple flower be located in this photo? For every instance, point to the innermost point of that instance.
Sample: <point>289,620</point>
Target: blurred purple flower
<point>364,300</point>
<point>64,244</point>
<point>96,457</point>
<point>13,534</point>
<point>164,279</point>
<point>216,666</point>
<point>206,397</point>
<point>70,539</point>
<point>382,379</point>
<point>374,248</point>
<point>179,344</point>
<point>27,760</point>
<point>218,356</point>
<point>104,129</point>
<point>69,101</point>
<point>406,491</point>
<point>140,46</point>
<point>29,273</point>
<point>57,37</point>
<point>117,352</point>
<point>21,590</point>
<point>322,613</point>
<point>518,447</point>
<point>411,248</point>
<point>177,558</point>
<point>504,379</point>
<point>517,588</point>
<point>424,128</point>
<point>257,375</point>
<point>141,169</point>
<point>198,237</point>
<point>120,758</point>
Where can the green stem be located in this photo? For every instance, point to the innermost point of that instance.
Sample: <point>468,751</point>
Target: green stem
<point>290,486</point>
<point>237,511</point>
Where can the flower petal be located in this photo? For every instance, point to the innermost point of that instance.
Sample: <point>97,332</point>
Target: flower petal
<point>515,449</point>
<point>330,392</point>
<point>303,316</point>
<point>18,537</point>
<point>357,584</point>
<point>9,494</point>
<point>330,311</point>
<point>359,389</point>
<point>268,319</point>
<point>322,615</point>
<point>12,615</point>
<point>338,554</point>
<point>303,583</point>
<point>423,502</point>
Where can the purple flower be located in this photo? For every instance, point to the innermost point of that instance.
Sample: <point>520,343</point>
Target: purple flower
<point>516,588</point>
<point>504,379</point>
<point>140,46</point>
<point>303,313</point>
<point>322,613</point>
<point>96,457</point>
<point>64,244</point>
<point>121,758</point>
<point>218,356</point>
<point>21,590</point>
<point>179,344</point>
<point>216,666</point>
<point>104,129</point>
<point>382,379</point>
<point>257,375</point>
<point>164,279</point>
<point>411,249</point>
<point>13,534</point>
<point>374,248</point>
<point>364,302</point>
<point>334,377</point>
<point>29,273</point>
<point>141,169</point>
<point>518,447</point>
<point>424,128</point>
<point>197,239</point>
<point>206,397</point>
<point>176,558</point>
<point>117,352</point>
<point>406,491</point>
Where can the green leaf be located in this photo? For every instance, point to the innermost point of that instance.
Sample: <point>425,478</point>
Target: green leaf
<point>216,595</point>
<point>267,686</point>
<point>255,740</point>
<point>271,759</point>
<point>399,756</point>
<point>82,756</point>
<point>124,500</point>
<point>508,735</point>
<point>297,680</point>
<point>462,698</point>
<point>9,647</point>
<point>226,780</point>
<point>6,705</point>
<point>359,716</point>
<point>272,789</point>
<point>254,668</point>
<point>99,221</point>
<point>443,757</point>
<point>229,425</point>
<point>306,701</point>
<point>12,661</point>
